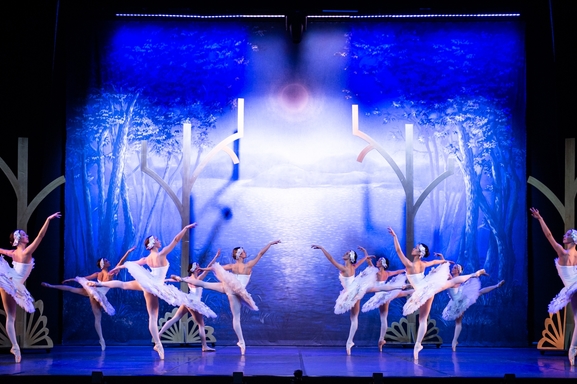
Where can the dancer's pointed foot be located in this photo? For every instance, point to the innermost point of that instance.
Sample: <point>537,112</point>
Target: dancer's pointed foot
<point>481,272</point>
<point>572,354</point>
<point>160,349</point>
<point>501,283</point>
<point>381,343</point>
<point>206,348</point>
<point>454,346</point>
<point>45,285</point>
<point>416,350</point>
<point>350,344</point>
<point>242,347</point>
<point>102,344</point>
<point>16,352</point>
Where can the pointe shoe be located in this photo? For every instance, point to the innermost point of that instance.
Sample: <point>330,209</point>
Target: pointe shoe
<point>45,285</point>
<point>206,348</point>
<point>416,350</point>
<point>349,346</point>
<point>454,346</point>
<point>16,353</point>
<point>381,343</point>
<point>102,344</point>
<point>572,354</point>
<point>501,283</point>
<point>242,347</point>
<point>160,349</point>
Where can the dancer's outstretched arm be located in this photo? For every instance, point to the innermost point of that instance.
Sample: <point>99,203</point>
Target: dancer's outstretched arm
<point>441,260</point>
<point>556,246</point>
<point>340,267</point>
<point>32,247</point>
<point>123,259</point>
<point>253,262</point>
<point>366,258</point>
<point>208,268</point>
<point>406,262</point>
<point>166,250</point>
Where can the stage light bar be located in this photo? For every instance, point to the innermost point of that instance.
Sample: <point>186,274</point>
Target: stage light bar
<point>164,15</point>
<point>414,16</point>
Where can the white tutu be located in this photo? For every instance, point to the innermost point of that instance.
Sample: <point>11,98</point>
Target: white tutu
<point>232,286</point>
<point>98,294</point>
<point>426,288</point>
<point>11,281</point>
<point>462,298</point>
<point>384,297</point>
<point>153,283</point>
<point>568,275</point>
<point>356,289</point>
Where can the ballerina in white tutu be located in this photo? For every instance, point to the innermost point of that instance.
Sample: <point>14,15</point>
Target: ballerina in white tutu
<point>425,287</point>
<point>462,297</point>
<point>12,279</point>
<point>233,284</point>
<point>96,295</point>
<point>566,263</point>
<point>353,287</point>
<point>196,294</point>
<point>151,283</point>
<point>396,280</point>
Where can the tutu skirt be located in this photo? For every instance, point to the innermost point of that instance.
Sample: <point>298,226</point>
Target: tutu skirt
<point>232,286</point>
<point>563,298</point>
<point>384,297</point>
<point>11,282</point>
<point>465,296</point>
<point>98,294</point>
<point>355,290</point>
<point>427,288</point>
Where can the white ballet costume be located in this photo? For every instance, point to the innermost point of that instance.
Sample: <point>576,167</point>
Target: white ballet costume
<point>462,297</point>
<point>12,281</point>
<point>235,284</point>
<point>568,275</point>
<point>425,287</point>
<point>384,297</point>
<point>354,288</point>
<point>153,282</point>
<point>98,294</point>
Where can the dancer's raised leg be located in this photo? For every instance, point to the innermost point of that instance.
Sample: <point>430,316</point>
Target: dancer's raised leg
<point>354,325</point>
<point>67,288</point>
<point>10,309</point>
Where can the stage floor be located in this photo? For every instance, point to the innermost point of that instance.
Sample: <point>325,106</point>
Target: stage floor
<point>331,363</point>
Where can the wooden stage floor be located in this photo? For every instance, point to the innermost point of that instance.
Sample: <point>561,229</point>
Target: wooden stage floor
<point>269,364</point>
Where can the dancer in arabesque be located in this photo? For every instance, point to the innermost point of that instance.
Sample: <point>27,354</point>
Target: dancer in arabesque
<point>96,295</point>
<point>12,279</point>
<point>425,287</point>
<point>233,279</point>
<point>566,263</point>
<point>195,293</point>
<point>462,297</point>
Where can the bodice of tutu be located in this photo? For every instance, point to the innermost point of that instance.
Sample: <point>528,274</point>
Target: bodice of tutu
<point>454,293</point>
<point>195,292</point>
<point>416,279</point>
<point>244,279</point>
<point>346,280</point>
<point>22,270</point>
<point>159,273</point>
<point>568,274</point>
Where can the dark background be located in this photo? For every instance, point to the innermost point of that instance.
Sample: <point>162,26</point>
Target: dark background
<point>34,106</point>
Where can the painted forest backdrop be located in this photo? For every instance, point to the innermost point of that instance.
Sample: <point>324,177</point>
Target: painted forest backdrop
<point>445,100</point>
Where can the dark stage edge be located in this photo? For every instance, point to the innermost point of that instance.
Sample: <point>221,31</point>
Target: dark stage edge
<point>269,364</point>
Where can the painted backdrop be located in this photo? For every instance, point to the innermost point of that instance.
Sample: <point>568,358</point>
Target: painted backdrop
<point>438,98</point>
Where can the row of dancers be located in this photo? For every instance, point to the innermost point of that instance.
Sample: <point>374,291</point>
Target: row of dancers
<point>233,278</point>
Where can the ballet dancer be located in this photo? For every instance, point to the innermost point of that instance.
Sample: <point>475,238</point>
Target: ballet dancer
<point>96,296</point>
<point>152,283</point>
<point>462,296</point>
<point>425,287</point>
<point>566,263</point>
<point>381,300</point>
<point>347,279</point>
<point>12,279</point>
<point>233,278</point>
<point>196,292</point>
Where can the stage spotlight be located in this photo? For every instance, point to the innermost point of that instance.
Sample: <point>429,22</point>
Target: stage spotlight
<point>509,378</point>
<point>377,378</point>
<point>97,377</point>
<point>296,24</point>
<point>237,378</point>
